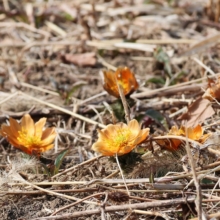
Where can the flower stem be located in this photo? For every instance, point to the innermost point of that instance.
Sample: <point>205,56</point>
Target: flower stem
<point>122,175</point>
<point>124,102</point>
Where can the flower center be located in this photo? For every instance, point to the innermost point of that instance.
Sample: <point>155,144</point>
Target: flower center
<point>121,139</point>
<point>26,140</point>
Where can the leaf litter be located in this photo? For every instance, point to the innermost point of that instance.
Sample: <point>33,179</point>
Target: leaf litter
<point>51,57</point>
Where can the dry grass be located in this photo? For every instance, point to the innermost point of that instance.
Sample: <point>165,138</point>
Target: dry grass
<point>51,57</point>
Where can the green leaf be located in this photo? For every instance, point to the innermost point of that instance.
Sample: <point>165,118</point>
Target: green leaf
<point>73,89</point>
<point>118,108</point>
<point>52,167</point>
<point>58,161</point>
<point>207,181</point>
<point>68,17</point>
<point>162,57</point>
<point>47,170</point>
<point>155,115</point>
<point>156,80</point>
<point>177,77</point>
<point>158,117</point>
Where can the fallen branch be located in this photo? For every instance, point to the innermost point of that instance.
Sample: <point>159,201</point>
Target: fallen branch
<point>143,205</point>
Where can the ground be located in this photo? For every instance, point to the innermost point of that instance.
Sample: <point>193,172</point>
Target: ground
<point>53,56</point>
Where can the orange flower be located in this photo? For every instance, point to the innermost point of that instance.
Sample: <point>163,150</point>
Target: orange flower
<point>120,138</point>
<point>27,136</point>
<point>124,77</point>
<point>171,144</point>
<point>195,134</point>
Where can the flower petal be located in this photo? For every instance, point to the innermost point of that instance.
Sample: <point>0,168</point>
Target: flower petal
<point>175,131</point>
<point>46,148</point>
<point>169,144</point>
<point>142,136</point>
<point>120,138</point>
<point>197,132</point>
<point>110,84</point>
<point>134,126</point>
<point>106,133</point>
<point>48,136</point>
<point>24,149</point>
<point>122,76</point>
<point>103,149</point>
<point>125,150</point>
<point>27,124</point>
<point>39,127</point>
<point>7,133</point>
<point>192,133</point>
<point>15,126</point>
<point>126,79</point>
<point>47,132</point>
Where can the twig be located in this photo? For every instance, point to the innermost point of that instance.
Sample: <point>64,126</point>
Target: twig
<point>143,205</point>
<point>104,63</point>
<point>75,203</point>
<point>55,193</point>
<point>35,192</point>
<point>39,44</point>
<point>27,85</point>
<point>215,216</point>
<point>77,166</point>
<point>56,29</point>
<point>116,157</point>
<point>9,97</point>
<point>120,181</point>
<point>24,25</point>
<point>114,120</point>
<point>155,91</point>
<point>198,201</point>
<point>92,97</point>
<point>136,46</point>
<point>204,66</point>
<point>152,213</point>
<point>64,110</point>
<point>102,207</point>
<point>124,102</point>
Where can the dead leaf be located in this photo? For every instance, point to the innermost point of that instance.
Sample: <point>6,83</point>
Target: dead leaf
<point>197,112</point>
<point>84,59</point>
<point>213,90</point>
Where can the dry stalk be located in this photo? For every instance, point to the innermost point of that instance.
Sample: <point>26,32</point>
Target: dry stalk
<point>157,184</point>
<point>50,192</point>
<point>215,216</point>
<point>198,201</point>
<point>64,110</point>
<point>75,203</point>
<point>204,66</point>
<point>122,175</point>
<point>143,205</point>
<point>41,192</point>
<point>124,102</point>
<point>155,91</point>
<point>77,166</point>
<point>27,85</point>
<point>151,213</point>
<point>38,44</point>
